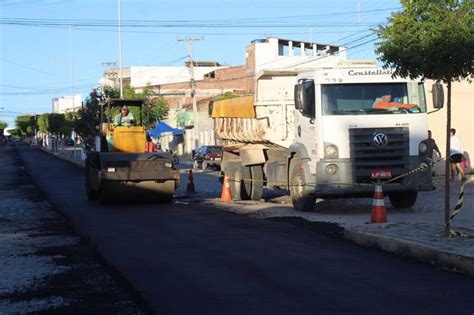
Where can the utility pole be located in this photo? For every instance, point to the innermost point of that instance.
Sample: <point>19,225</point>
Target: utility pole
<point>120,47</point>
<point>72,67</point>
<point>107,65</point>
<point>193,88</point>
<point>358,11</point>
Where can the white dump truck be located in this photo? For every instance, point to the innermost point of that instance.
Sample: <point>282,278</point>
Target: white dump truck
<point>327,133</point>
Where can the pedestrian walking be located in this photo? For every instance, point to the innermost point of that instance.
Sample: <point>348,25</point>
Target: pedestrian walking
<point>432,146</point>
<point>456,151</point>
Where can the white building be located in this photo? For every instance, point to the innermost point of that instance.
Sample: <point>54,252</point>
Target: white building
<point>277,53</point>
<point>139,77</point>
<point>64,104</point>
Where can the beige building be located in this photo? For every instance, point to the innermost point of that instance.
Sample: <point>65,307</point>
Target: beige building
<point>64,104</point>
<point>462,119</point>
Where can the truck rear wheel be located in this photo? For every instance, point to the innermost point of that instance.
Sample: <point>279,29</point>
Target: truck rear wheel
<point>403,199</point>
<point>299,191</point>
<point>245,183</point>
<point>257,182</point>
<point>239,181</point>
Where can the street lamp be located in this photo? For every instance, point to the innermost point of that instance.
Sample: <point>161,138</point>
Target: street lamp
<point>120,47</point>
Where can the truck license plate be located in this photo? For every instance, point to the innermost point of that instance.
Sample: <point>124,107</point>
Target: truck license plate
<point>381,174</point>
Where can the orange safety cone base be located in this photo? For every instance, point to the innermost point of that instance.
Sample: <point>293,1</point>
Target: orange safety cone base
<point>226,194</point>
<point>379,213</point>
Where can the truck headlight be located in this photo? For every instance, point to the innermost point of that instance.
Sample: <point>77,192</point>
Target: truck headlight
<point>331,169</point>
<point>330,151</point>
<point>422,147</point>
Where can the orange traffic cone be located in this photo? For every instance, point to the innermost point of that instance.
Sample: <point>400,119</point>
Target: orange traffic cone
<point>190,186</point>
<point>379,214</point>
<point>226,194</point>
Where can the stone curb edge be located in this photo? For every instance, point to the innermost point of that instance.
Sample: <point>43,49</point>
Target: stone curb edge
<point>59,156</point>
<point>415,250</point>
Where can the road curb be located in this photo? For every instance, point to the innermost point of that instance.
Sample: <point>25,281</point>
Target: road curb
<point>64,158</point>
<point>415,250</point>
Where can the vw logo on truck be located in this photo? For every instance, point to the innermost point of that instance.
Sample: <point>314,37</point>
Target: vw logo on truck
<point>380,139</point>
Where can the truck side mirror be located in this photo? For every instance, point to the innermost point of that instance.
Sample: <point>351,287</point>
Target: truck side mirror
<point>297,96</point>
<point>308,104</point>
<point>438,96</point>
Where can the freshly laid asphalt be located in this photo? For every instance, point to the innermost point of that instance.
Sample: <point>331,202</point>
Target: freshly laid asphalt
<point>184,257</point>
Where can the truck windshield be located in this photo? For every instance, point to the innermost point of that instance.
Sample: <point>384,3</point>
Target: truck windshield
<point>373,98</point>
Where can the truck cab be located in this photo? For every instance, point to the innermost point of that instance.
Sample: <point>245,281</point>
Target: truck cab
<point>357,125</point>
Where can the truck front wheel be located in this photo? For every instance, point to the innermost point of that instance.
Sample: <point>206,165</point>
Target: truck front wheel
<point>403,199</point>
<point>299,191</point>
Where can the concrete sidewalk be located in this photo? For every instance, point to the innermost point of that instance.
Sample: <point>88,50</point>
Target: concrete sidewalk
<point>417,232</point>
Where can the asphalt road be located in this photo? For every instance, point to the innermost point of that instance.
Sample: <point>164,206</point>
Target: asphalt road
<point>188,258</point>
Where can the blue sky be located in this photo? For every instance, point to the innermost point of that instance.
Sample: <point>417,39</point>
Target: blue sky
<point>36,59</point>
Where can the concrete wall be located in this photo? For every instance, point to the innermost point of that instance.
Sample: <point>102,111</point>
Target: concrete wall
<point>461,119</point>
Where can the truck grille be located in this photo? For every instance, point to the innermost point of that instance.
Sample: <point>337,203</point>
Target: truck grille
<point>367,156</point>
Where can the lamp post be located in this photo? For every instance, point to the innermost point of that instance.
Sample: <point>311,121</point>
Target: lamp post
<point>120,47</point>
<point>193,89</point>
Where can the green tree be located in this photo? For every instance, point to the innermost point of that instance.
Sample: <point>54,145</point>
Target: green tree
<point>431,39</point>
<point>88,116</point>
<point>225,96</point>
<point>58,125</point>
<point>16,134</point>
<point>43,123</point>
<point>55,124</point>
<point>26,124</point>
<point>155,108</point>
<point>3,126</point>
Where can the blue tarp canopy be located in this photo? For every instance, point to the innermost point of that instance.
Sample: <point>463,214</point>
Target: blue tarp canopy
<point>164,127</point>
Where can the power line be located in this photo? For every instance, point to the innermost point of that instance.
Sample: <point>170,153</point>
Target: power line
<point>26,3</point>
<point>135,23</point>
<point>47,91</point>
<point>27,67</point>
<point>279,21</point>
<point>277,24</point>
<point>201,33</point>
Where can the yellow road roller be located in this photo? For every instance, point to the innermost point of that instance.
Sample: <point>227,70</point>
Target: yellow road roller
<point>123,166</point>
